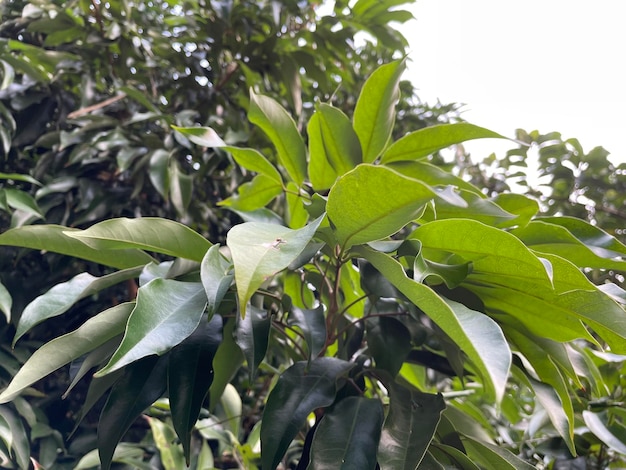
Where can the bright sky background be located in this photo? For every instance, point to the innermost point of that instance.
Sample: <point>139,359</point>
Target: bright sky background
<point>551,65</point>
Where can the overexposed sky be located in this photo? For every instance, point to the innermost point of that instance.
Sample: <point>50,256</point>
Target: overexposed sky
<point>551,65</point>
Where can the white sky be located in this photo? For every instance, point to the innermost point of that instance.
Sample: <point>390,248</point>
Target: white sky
<point>551,65</point>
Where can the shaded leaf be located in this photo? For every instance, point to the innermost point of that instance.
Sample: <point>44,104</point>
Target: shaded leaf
<point>389,342</point>
<point>22,201</point>
<point>172,457</point>
<point>597,424</point>
<point>348,435</point>
<point>252,336</point>
<point>494,457</point>
<point>312,323</point>
<point>6,302</point>
<point>253,160</point>
<point>299,390</point>
<point>166,313</point>
<point>226,363</point>
<point>216,277</point>
<point>547,396</point>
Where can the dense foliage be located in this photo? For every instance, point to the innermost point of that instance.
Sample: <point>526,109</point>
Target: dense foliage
<point>328,295</point>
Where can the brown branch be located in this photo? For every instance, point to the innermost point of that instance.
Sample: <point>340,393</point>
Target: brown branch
<point>94,107</point>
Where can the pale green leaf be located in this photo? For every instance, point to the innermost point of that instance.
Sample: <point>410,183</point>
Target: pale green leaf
<point>494,457</point>
<point>216,276</point>
<point>261,250</point>
<point>551,403</point>
<point>23,201</point>
<point>596,422</point>
<point>254,195</point>
<point>6,302</point>
<point>166,313</point>
<point>204,136</point>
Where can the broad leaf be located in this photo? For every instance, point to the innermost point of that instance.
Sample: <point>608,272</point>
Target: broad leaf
<point>64,349</point>
<point>255,161</point>
<point>373,202</point>
<point>409,427</point>
<point>23,201</point>
<point>299,390</point>
<point>494,456</point>
<point>312,323</point>
<point>477,335</point>
<point>141,385</point>
<point>166,313</point>
<point>375,112</point>
<point>57,239</point>
<point>254,195</point>
<point>146,233</point>
<point>20,444</point>
<point>347,437</point>
<point>252,336</point>
<point>424,142</point>
<point>389,343</point>
<point>216,277</point>
<point>60,298</point>
<point>272,118</point>
<point>432,175</point>
<point>190,374</point>
<point>261,250</point>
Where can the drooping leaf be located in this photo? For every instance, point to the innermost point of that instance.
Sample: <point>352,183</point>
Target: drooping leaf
<point>226,363</point>
<point>272,118</point>
<point>424,142</point>
<point>313,326</point>
<point>216,277</point>
<point>409,427</point>
<point>375,114</point>
<point>166,313</point>
<point>146,233</point>
<point>477,335</point>
<point>20,444</point>
<point>389,343</point>
<point>172,457</point>
<point>190,374</point>
<point>252,336</point>
<point>597,424</point>
<point>348,435</point>
<point>23,201</point>
<point>261,250</point>
<point>494,456</point>
<point>299,390</point>
<point>60,298</point>
<point>373,202</point>
<point>64,349</point>
<point>56,238</point>
<point>141,385</point>
<point>6,302</point>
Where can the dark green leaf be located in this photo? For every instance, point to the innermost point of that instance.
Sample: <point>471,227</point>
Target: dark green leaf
<point>252,336</point>
<point>312,323</point>
<point>389,342</point>
<point>226,363</point>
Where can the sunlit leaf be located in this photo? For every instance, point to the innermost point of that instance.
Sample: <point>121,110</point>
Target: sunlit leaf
<point>597,424</point>
<point>216,277</point>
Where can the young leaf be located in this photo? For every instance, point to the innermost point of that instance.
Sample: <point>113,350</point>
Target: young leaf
<point>60,298</point>
<point>252,336</point>
<point>190,374</point>
<point>166,313</point>
<point>146,233</point>
<point>348,435</point>
<point>261,250</point>
<point>64,349</point>
<point>214,273</point>
<point>57,239</point>
<point>409,427</point>
<point>299,390</point>
<point>272,118</point>
<point>424,142</point>
<point>375,114</point>
<point>373,202</point>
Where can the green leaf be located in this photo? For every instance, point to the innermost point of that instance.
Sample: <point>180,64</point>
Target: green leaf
<point>252,336</point>
<point>226,363</point>
<point>409,427</point>
<point>373,202</point>
<point>348,435</point>
<point>23,201</point>
<point>477,335</point>
<point>335,149</point>
<point>166,313</point>
<point>493,457</point>
<point>6,302</point>
<point>146,233</point>
<point>597,424</point>
<point>19,177</point>
<point>158,172</point>
<point>272,118</point>
<point>216,277</point>
<point>261,250</point>
<point>190,374</point>
<point>60,298</point>
<point>181,187</point>
<point>375,113</point>
<point>424,142</point>
<point>69,347</point>
<point>141,385</point>
<point>253,160</point>
<point>254,195</point>
<point>432,175</point>
<point>312,323</point>
<point>299,390</point>
<point>389,343</point>
<point>123,452</point>
<point>204,136</point>
<point>20,444</point>
<point>172,457</point>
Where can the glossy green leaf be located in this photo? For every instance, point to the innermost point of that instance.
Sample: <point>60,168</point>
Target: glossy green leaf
<point>166,313</point>
<point>494,457</point>
<point>522,206</point>
<point>172,457</point>
<point>253,160</point>
<point>190,374</point>
<point>252,336</point>
<point>20,444</point>
<point>226,363</point>
<point>272,118</point>
<point>261,250</point>
<point>372,202</point>
<point>19,177</point>
<point>348,435</point>
<point>477,335</point>
<point>60,298</point>
<point>477,208</point>
<point>299,390</point>
<point>6,302</point>
<point>389,343</point>
<point>297,215</point>
<point>432,175</point>
<point>312,324</point>
<point>141,385</point>
<point>64,349</point>
<point>254,195</point>
<point>451,457</point>
<point>158,172</point>
<point>23,201</point>
<point>216,276</point>
<point>204,136</point>
<point>181,187</point>
<point>321,173</point>
<point>424,142</point>
<point>597,424</point>
<point>375,114</point>
<point>409,427</point>
<point>146,233</point>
